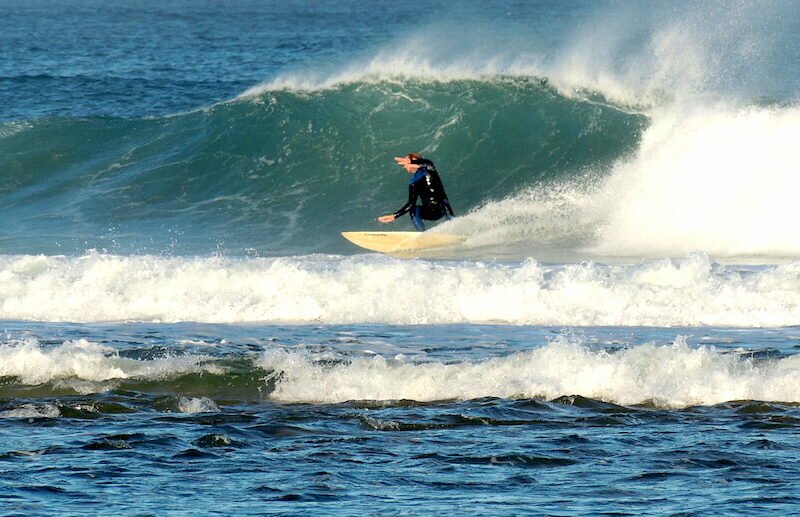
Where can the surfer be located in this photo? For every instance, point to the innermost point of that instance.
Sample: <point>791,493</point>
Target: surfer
<point>426,185</point>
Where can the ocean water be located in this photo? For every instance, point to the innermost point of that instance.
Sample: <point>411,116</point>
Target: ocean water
<point>184,331</point>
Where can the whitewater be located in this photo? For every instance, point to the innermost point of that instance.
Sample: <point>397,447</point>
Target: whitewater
<point>672,375</point>
<point>334,290</point>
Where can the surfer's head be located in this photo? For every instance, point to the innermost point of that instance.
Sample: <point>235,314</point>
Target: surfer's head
<point>409,158</point>
<point>417,159</point>
<point>411,168</point>
<point>410,162</point>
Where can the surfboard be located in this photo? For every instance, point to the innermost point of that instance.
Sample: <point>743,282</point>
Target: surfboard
<point>398,242</point>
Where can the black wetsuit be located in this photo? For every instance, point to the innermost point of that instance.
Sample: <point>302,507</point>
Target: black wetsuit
<point>426,185</point>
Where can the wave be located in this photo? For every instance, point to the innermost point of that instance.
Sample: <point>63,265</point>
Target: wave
<point>667,376</point>
<point>529,171</point>
<point>711,170</point>
<point>84,365</point>
<point>671,375</point>
<point>376,289</point>
<point>616,130</point>
<point>284,172</point>
<point>669,133</point>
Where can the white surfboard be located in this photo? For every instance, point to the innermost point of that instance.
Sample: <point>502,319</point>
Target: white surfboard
<point>402,242</point>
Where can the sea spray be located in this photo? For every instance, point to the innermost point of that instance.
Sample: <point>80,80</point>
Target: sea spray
<point>719,180</point>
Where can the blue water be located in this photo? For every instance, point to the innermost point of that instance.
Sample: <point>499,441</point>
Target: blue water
<point>184,330</point>
<point>180,442</point>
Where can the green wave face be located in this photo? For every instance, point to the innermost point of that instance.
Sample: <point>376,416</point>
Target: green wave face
<point>282,172</point>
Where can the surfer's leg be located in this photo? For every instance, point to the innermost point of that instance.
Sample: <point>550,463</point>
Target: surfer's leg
<point>416,218</point>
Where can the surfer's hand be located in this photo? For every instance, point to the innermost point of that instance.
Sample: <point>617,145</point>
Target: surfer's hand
<point>387,218</point>
<point>401,160</point>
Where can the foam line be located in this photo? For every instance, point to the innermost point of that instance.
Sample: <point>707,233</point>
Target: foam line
<point>675,375</point>
<point>377,289</point>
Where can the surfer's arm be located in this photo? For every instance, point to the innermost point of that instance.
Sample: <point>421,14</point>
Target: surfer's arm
<point>388,218</point>
<point>412,199</point>
<point>403,210</point>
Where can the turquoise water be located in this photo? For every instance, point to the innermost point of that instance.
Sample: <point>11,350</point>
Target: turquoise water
<point>185,331</point>
<point>193,182</point>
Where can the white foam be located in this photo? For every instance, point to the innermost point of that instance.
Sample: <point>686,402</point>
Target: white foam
<point>675,375</point>
<point>369,289</point>
<point>197,405</point>
<point>722,181</point>
<point>32,411</point>
<point>86,366</point>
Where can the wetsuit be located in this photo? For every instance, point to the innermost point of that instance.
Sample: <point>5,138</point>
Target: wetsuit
<point>426,185</point>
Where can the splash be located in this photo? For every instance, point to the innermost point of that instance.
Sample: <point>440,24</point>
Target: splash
<point>719,181</point>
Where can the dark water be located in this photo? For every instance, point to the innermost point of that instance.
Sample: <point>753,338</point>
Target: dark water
<point>185,332</point>
<point>198,424</point>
